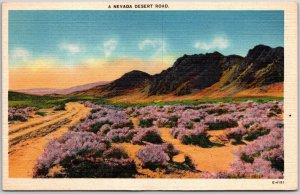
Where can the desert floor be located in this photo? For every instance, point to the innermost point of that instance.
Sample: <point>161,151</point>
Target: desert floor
<point>27,140</point>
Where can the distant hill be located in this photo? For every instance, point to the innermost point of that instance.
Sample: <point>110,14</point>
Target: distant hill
<point>260,73</point>
<point>47,91</point>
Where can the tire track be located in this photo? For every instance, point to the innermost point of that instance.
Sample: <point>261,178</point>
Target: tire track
<point>38,133</point>
<point>26,148</point>
<point>42,125</point>
<point>19,127</point>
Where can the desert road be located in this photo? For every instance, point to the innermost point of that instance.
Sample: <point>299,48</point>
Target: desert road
<point>27,140</point>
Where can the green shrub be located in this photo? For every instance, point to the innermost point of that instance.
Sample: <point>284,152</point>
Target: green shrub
<point>201,140</point>
<point>253,134</point>
<point>145,123</point>
<point>96,126</point>
<point>41,113</point>
<point>221,124</point>
<point>59,107</point>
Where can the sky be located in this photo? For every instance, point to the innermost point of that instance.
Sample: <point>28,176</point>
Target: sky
<point>60,49</point>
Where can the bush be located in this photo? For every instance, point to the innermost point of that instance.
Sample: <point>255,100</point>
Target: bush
<point>104,130</point>
<point>153,156</point>
<point>145,123</point>
<point>41,113</point>
<point>236,134</point>
<point>255,131</point>
<point>196,136</point>
<point>18,117</point>
<point>123,125</point>
<point>172,121</point>
<point>196,139</point>
<point>95,127</point>
<point>70,144</point>
<point>186,165</point>
<point>218,111</point>
<point>59,107</point>
<point>221,124</point>
<point>84,155</point>
<point>121,135</point>
<point>115,152</point>
<point>150,135</point>
<point>81,167</point>
<point>19,114</point>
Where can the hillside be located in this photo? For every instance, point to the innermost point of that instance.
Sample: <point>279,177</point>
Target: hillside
<point>134,80</point>
<point>210,75</point>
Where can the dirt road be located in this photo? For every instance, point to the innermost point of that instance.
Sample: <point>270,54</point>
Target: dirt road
<point>27,140</point>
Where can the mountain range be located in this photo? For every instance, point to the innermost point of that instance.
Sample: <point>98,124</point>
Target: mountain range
<point>259,73</point>
<point>210,75</point>
<point>48,91</point>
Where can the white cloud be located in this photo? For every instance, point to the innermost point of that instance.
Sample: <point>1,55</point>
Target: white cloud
<point>19,55</point>
<point>159,46</point>
<point>109,46</point>
<point>71,48</point>
<point>219,42</point>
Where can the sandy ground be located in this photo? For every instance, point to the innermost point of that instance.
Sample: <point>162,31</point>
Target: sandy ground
<point>212,159</point>
<point>205,159</point>
<point>27,140</point>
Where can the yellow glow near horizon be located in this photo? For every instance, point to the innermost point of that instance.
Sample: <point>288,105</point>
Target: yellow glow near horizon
<point>45,73</point>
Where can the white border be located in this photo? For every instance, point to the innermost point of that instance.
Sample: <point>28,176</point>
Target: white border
<point>290,106</point>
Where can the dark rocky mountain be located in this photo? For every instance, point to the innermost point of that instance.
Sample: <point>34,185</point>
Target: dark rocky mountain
<point>262,66</point>
<point>129,81</point>
<point>192,72</point>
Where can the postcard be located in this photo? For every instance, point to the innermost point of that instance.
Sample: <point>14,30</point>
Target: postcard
<point>149,96</point>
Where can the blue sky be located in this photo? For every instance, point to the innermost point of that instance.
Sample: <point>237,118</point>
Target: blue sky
<point>71,37</point>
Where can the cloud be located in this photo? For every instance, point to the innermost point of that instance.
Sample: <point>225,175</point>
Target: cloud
<point>158,45</point>
<point>109,46</point>
<point>19,55</point>
<point>219,42</point>
<point>71,48</point>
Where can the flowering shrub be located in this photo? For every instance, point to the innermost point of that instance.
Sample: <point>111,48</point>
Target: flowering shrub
<point>146,122</point>
<point>217,111</point>
<point>168,122</point>
<point>259,168</point>
<point>153,156</point>
<point>19,114</point>
<point>256,131</point>
<point>115,152</point>
<point>104,115</point>
<point>220,122</point>
<point>236,134</point>
<point>196,136</point>
<point>121,135</point>
<point>84,154</point>
<point>169,149</point>
<point>86,167</point>
<point>95,127</point>
<point>104,130</point>
<point>262,158</point>
<point>70,144</point>
<point>150,135</point>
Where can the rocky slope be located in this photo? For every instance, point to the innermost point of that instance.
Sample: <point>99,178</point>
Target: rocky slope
<point>211,72</point>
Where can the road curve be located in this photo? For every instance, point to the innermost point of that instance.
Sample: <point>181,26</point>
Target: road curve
<point>27,140</point>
